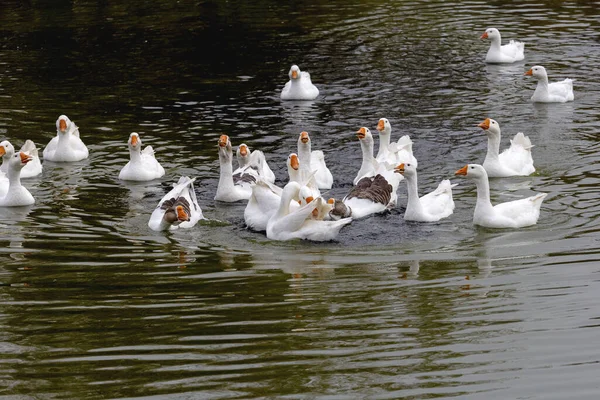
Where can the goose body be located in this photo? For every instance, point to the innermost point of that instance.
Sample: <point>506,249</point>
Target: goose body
<point>287,224</point>
<point>374,194</point>
<point>31,169</point>
<point>502,54</point>
<point>142,165</point>
<point>313,161</point>
<point>514,161</point>
<point>369,164</point>
<point>228,190</point>
<point>393,153</point>
<point>256,161</point>
<point>512,214</point>
<point>177,209</point>
<point>16,195</point>
<point>262,204</point>
<point>545,92</point>
<point>66,146</point>
<point>299,87</point>
<point>430,207</point>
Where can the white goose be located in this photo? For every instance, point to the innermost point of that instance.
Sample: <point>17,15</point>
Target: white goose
<point>512,214</point>
<point>17,195</point>
<point>498,54</point>
<point>177,209</point>
<point>32,168</point>
<point>313,161</point>
<point>255,160</point>
<point>66,146</point>
<point>555,92</point>
<point>395,152</point>
<point>302,176</point>
<point>299,87</point>
<point>369,164</point>
<point>373,194</point>
<point>227,190</point>
<point>285,224</point>
<point>514,161</point>
<point>262,204</point>
<point>428,208</point>
<point>142,165</point>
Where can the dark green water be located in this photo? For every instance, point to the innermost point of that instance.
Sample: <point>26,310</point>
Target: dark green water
<point>93,304</point>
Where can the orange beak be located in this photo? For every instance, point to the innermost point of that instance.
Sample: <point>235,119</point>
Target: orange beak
<point>25,158</point>
<point>294,162</point>
<point>243,150</point>
<point>380,125</point>
<point>309,199</point>
<point>331,201</point>
<point>485,125</point>
<point>529,73</point>
<point>315,213</point>
<point>223,139</point>
<point>400,168</point>
<point>62,125</point>
<point>181,214</point>
<point>294,74</point>
<point>304,137</point>
<point>361,133</point>
<point>134,140</point>
<point>462,171</point>
<point>2,151</point>
<point>484,36</point>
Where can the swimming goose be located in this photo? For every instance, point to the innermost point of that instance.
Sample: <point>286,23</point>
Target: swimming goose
<point>177,209</point>
<point>302,176</point>
<point>373,194</point>
<point>66,146</point>
<point>514,161</point>
<point>555,92</point>
<point>512,214</point>
<point>498,54</point>
<point>256,160</point>
<point>428,208</point>
<point>32,168</point>
<point>142,165</point>
<point>299,87</point>
<point>246,171</point>
<point>17,195</point>
<point>384,154</point>
<point>262,204</point>
<point>313,161</point>
<point>227,190</point>
<point>286,224</point>
<point>369,164</point>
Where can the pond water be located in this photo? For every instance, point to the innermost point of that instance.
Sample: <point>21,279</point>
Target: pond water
<point>96,305</point>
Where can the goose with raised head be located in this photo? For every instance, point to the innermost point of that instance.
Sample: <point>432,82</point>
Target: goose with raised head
<point>302,176</point>
<point>545,92</point>
<point>369,164</point>
<point>428,208</point>
<point>32,168</point>
<point>287,224</point>
<point>502,54</point>
<point>514,161</point>
<point>299,87</point>
<point>512,214</point>
<point>66,146</point>
<point>142,165</point>
<point>313,160</point>
<point>177,209</point>
<point>16,195</point>
<point>228,190</point>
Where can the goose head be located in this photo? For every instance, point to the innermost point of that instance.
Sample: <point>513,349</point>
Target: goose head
<point>304,138</point>
<point>538,72</point>
<point>176,215</point>
<point>384,126</point>
<point>491,33</point>
<point>473,171</point>
<point>491,127</point>
<point>134,142</point>
<point>225,152</point>
<point>63,123</point>
<point>6,150</point>
<point>364,135</point>
<point>294,72</point>
<point>19,160</point>
<point>406,169</point>
<point>243,155</point>
<point>293,166</point>
<point>339,210</point>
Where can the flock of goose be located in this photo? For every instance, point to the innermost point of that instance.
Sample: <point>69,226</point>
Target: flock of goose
<point>298,211</point>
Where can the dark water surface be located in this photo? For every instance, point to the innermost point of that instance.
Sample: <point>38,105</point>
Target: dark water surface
<point>93,304</point>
